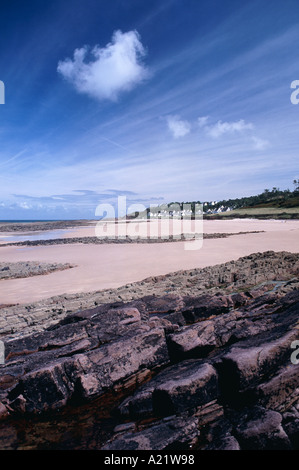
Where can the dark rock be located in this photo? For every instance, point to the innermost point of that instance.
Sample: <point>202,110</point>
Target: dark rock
<point>205,306</point>
<point>291,425</point>
<point>193,341</point>
<point>241,298</point>
<point>175,433</point>
<point>281,390</point>
<point>215,365</point>
<point>229,443</point>
<point>218,435</point>
<point>87,374</point>
<point>262,429</point>
<point>4,413</point>
<point>248,365</point>
<point>179,388</point>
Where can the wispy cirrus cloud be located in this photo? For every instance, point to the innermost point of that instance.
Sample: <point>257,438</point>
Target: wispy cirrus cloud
<point>76,196</point>
<point>114,69</point>
<point>180,128</point>
<point>216,75</point>
<point>202,121</point>
<point>78,202</point>
<point>260,144</point>
<point>221,128</point>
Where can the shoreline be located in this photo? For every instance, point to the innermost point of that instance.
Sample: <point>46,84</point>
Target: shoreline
<point>190,367</point>
<point>113,265</point>
<point>273,268</point>
<point>24,270</point>
<point>156,325</point>
<point>127,239</point>
<point>20,226</point>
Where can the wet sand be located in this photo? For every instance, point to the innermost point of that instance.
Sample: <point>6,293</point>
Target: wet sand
<point>110,266</point>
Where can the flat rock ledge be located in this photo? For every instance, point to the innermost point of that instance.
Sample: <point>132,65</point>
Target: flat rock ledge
<point>123,240</point>
<point>23,269</point>
<point>213,371</point>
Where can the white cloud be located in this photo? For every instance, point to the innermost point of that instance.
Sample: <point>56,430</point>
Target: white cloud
<point>24,205</point>
<point>260,144</point>
<point>202,121</point>
<point>114,69</point>
<point>177,126</point>
<point>221,128</point>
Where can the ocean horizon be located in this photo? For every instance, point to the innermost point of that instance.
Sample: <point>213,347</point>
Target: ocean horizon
<point>20,221</point>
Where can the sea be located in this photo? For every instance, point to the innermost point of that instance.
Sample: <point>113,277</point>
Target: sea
<point>29,221</point>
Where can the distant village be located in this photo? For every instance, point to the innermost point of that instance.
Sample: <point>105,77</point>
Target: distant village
<point>214,208</point>
<point>275,197</point>
<point>182,210</point>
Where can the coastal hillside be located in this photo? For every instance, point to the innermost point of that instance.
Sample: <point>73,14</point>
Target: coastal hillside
<point>274,203</point>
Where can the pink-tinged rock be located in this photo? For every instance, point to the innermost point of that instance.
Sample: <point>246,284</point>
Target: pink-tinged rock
<point>129,315</point>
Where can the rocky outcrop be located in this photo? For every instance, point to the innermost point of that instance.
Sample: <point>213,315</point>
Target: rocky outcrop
<point>29,268</point>
<point>120,240</point>
<point>170,433</point>
<point>163,292</point>
<point>210,371</point>
<point>43,225</point>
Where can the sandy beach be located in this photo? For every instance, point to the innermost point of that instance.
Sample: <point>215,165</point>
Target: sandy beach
<point>105,266</point>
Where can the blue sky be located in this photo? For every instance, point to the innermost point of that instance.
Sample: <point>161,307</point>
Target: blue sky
<point>158,101</point>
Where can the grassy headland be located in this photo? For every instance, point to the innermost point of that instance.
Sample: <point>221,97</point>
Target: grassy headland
<point>270,204</point>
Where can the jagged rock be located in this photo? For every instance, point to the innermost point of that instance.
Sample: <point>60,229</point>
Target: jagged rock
<point>205,306</point>
<point>247,365</point>
<point>229,443</point>
<point>179,388</point>
<point>291,425</point>
<point>194,341</point>
<point>87,374</point>
<point>223,357</point>
<point>262,429</point>
<point>22,269</point>
<point>269,269</point>
<point>209,413</point>
<point>199,339</point>
<point>224,442</point>
<point>3,411</point>
<point>172,433</point>
<point>203,337</point>
<point>281,390</point>
<point>218,435</point>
